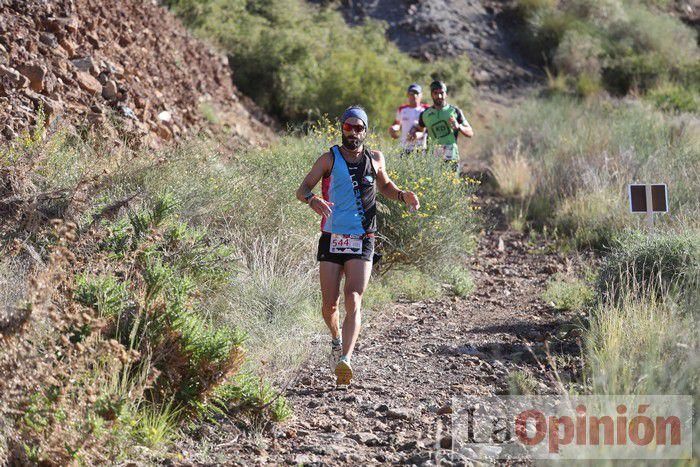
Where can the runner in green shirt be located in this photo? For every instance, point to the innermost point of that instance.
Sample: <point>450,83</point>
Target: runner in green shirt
<point>444,123</point>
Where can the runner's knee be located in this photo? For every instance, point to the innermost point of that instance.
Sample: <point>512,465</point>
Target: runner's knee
<point>353,296</point>
<point>329,308</point>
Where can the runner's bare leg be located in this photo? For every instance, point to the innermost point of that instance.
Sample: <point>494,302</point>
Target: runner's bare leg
<point>357,274</point>
<point>330,295</point>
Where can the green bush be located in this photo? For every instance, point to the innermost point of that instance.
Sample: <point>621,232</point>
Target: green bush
<point>664,264</point>
<point>580,158</point>
<point>521,383</point>
<point>568,293</point>
<point>460,280</point>
<point>301,61</point>
<point>248,394</point>
<point>625,46</point>
<point>635,72</point>
<point>106,294</point>
<point>442,231</point>
<point>413,285</point>
<point>675,98</point>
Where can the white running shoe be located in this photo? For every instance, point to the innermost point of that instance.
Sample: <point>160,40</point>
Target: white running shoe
<point>343,371</point>
<point>336,351</point>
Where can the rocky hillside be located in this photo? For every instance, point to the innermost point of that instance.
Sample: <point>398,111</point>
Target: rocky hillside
<point>481,29</point>
<point>82,61</point>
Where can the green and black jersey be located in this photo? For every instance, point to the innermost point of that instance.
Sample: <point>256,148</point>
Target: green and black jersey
<point>440,133</point>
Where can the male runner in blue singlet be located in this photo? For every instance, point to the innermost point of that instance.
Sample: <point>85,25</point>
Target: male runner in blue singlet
<point>351,175</point>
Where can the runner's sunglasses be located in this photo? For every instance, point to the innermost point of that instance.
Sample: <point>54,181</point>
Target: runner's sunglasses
<point>356,128</point>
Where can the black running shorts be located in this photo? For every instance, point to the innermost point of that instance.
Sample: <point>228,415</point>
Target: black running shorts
<point>324,254</point>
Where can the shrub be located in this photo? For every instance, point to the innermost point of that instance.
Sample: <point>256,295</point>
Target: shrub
<point>578,54</point>
<point>544,30</point>
<point>250,395</point>
<point>521,383</point>
<point>674,98</point>
<point>460,281</point>
<point>513,174</point>
<point>568,293</point>
<point>105,294</point>
<point>288,56</point>
<point>642,345</point>
<point>664,264</point>
<point>439,233</point>
<point>412,285</point>
<point>588,85</point>
<point>590,219</point>
<point>635,72</point>
<point>623,46</point>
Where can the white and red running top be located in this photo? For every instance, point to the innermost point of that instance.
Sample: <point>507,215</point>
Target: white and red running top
<point>407,117</point>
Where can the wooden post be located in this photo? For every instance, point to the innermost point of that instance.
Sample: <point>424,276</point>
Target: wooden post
<point>650,208</point>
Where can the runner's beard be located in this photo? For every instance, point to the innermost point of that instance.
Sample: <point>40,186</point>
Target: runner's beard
<point>352,143</point>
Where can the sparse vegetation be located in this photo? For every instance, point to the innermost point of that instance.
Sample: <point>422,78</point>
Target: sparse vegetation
<point>413,285</point>
<point>567,293</point>
<point>641,265</point>
<point>288,56</point>
<point>620,46</point>
<point>169,272</point>
<point>641,334</point>
<point>459,280</point>
<point>521,383</point>
<point>581,158</point>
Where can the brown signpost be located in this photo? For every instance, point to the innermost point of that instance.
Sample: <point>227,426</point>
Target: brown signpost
<point>648,198</point>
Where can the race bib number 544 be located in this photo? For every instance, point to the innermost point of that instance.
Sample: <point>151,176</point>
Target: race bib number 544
<point>346,244</point>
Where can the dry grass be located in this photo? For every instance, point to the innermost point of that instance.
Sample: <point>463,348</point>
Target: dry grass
<point>13,276</point>
<point>514,174</point>
<point>44,386</point>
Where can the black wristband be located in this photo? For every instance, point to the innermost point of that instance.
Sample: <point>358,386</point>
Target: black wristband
<point>308,197</point>
<point>401,196</point>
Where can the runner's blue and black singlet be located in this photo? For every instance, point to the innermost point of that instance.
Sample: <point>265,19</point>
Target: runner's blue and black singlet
<point>352,189</point>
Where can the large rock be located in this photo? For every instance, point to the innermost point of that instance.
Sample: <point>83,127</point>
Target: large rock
<point>109,90</point>
<point>88,83</point>
<point>366,438</point>
<point>35,74</point>
<point>400,414</point>
<point>86,64</point>
<point>13,76</point>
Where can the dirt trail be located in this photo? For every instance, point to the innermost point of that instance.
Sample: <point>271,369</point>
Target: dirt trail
<point>413,359</point>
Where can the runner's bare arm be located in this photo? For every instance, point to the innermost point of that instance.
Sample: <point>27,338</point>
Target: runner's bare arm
<point>466,129</point>
<point>387,187</point>
<point>462,125</point>
<point>418,129</point>
<point>394,129</point>
<point>321,167</point>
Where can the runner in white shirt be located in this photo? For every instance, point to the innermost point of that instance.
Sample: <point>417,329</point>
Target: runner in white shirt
<point>406,118</point>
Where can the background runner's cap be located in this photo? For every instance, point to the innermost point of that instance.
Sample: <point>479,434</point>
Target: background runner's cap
<point>435,85</point>
<point>354,111</point>
<point>415,88</point>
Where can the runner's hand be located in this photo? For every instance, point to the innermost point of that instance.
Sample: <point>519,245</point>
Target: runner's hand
<point>454,124</point>
<point>321,206</point>
<point>411,201</point>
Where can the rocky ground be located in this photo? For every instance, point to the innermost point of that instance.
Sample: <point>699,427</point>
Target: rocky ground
<point>81,62</point>
<point>413,359</point>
